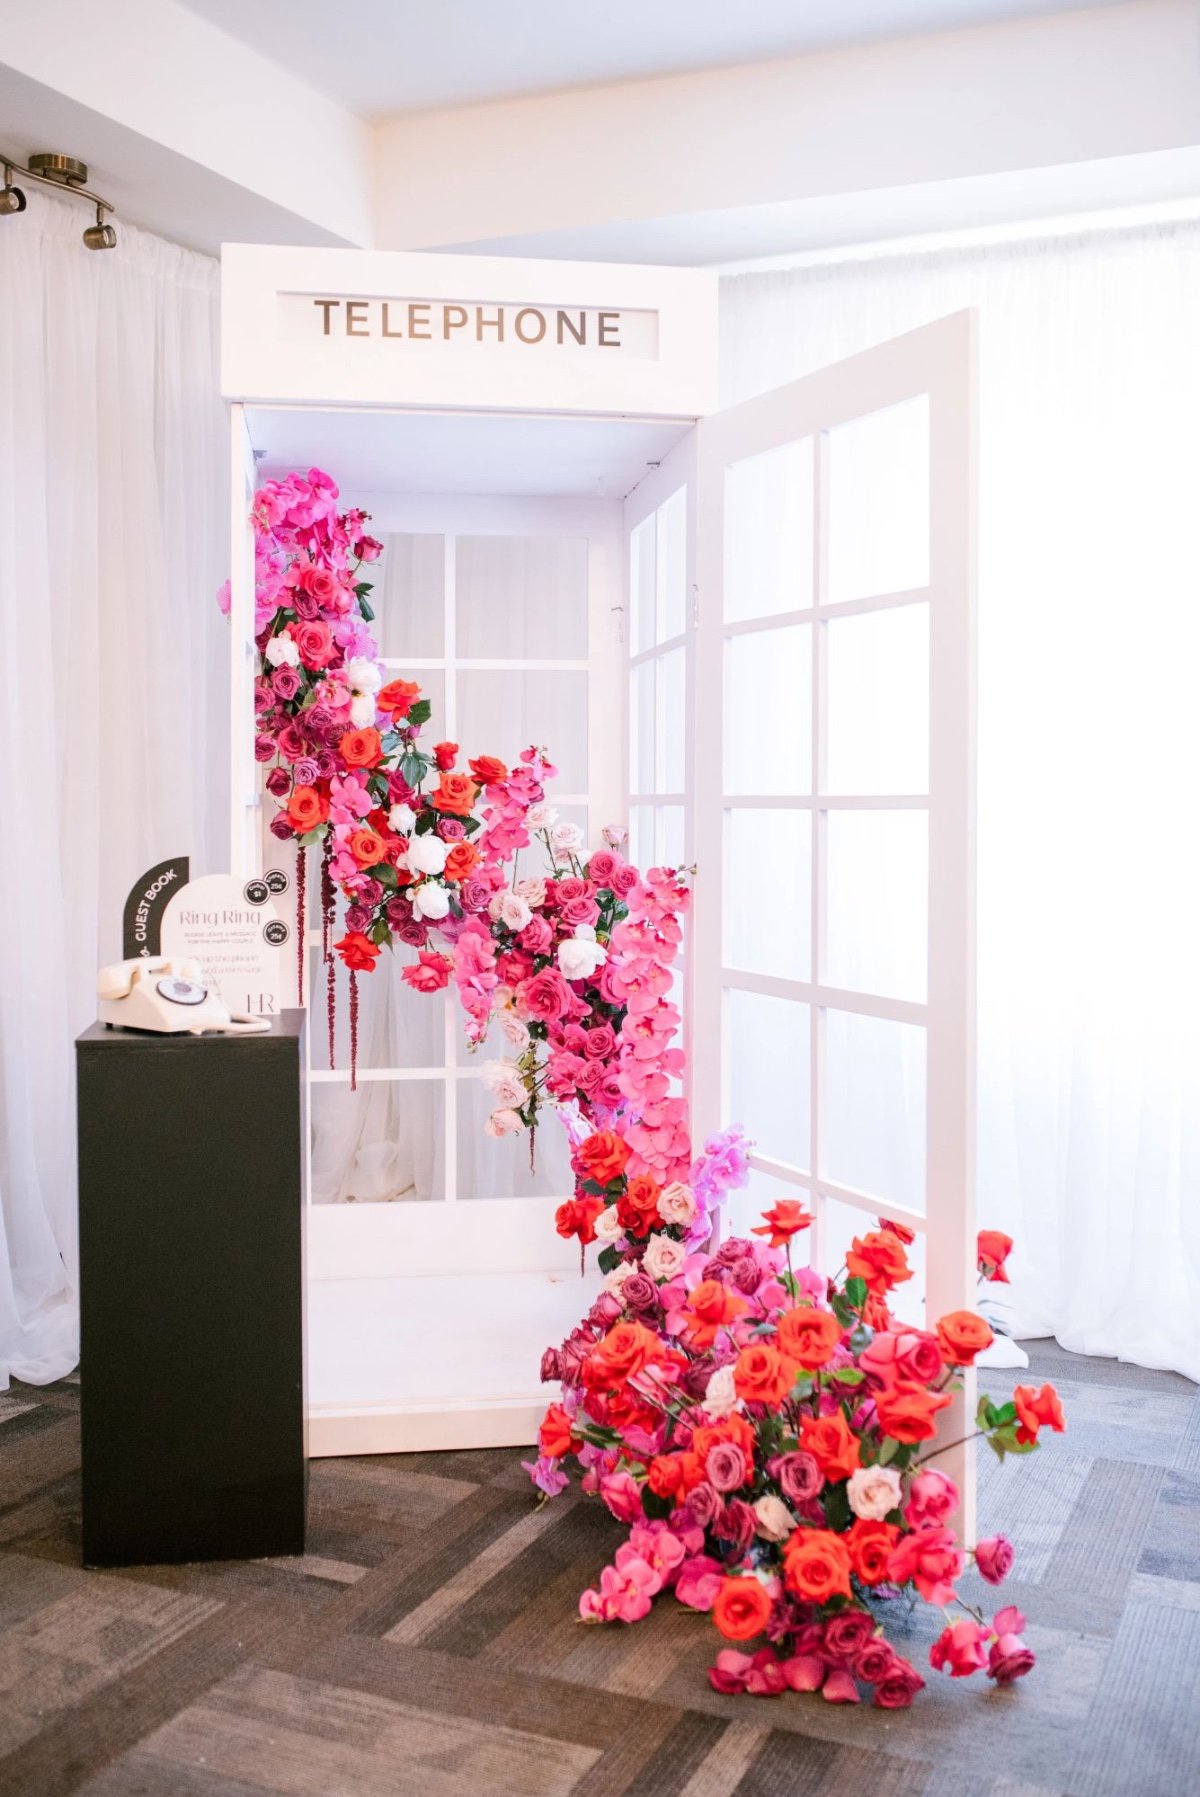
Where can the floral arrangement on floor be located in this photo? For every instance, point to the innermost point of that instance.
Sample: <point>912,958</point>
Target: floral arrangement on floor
<point>767,1436</point>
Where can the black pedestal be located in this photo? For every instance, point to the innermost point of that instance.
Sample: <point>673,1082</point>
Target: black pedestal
<point>191,1170</point>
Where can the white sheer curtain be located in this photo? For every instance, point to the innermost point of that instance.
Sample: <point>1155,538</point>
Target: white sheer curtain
<point>1089,966</point>
<point>115,741</point>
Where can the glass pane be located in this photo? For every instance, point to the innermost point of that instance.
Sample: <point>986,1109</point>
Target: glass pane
<point>875,1107</point>
<point>669,848</point>
<point>641,727</point>
<point>640,848</point>
<point>767,1058</point>
<point>502,713</point>
<point>670,682</point>
<point>878,702</point>
<point>380,1145</point>
<point>768,708</point>
<point>744,1210</point>
<point>408,585</point>
<point>671,566</point>
<point>768,852</point>
<point>879,502</point>
<point>521,598</point>
<point>498,1166</point>
<point>642,586</point>
<point>397,1027</point>
<point>769,532</point>
<point>432,682</point>
<point>840,1224</point>
<point>878,901</point>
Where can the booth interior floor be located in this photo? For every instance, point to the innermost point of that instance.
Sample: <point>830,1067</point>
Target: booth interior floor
<point>427,1643</point>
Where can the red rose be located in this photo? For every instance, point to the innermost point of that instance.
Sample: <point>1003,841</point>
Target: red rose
<point>742,1608</point>
<point>487,770</point>
<point>358,952</point>
<point>444,756</point>
<point>601,1157</point>
<point>315,643</point>
<point>398,697</point>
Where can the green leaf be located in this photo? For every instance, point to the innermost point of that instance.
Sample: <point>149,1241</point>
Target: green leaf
<point>656,1506</point>
<point>888,1450</point>
<point>365,609</point>
<point>608,1258</point>
<point>362,588</point>
<point>310,836</point>
<point>385,873</point>
<point>412,767</point>
<point>848,1375</point>
<point>420,712</point>
<point>856,1292</point>
<point>837,1507</point>
<point>379,932</point>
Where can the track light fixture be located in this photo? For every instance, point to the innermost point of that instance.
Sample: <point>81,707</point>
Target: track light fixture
<point>66,173</point>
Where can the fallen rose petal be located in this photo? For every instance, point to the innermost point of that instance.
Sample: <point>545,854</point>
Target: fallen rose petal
<point>839,1687</point>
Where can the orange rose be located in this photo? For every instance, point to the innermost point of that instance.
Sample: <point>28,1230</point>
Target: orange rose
<point>358,952</point>
<point>555,1437</point>
<point>664,1475</point>
<point>398,697</point>
<point>992,1249</point>
<point>578,1217</point>
<point>961,1335</point>
<point>626,1349</point>
<point>784,1220</point>
<point>816,1566</point>
<point>455,793</point>
<point>761,1375</point>
<point>637,1207</point>
<point>1035,1408</point>
<point>908,1414</point>
<point>808,1335</point>
<point>366,847</point>
<point>487,770</point>
<point>709,1308</point>
<point>879,1258</point>
<point>361,748</point>
<point>870,1543</point>
<point>460,860</point>
<point>742,1608</point>
<point>832,1443</point>
<point>601,1157</point>
<point>306,809</point>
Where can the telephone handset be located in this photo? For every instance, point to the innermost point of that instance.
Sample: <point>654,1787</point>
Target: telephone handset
<point>169,995</point>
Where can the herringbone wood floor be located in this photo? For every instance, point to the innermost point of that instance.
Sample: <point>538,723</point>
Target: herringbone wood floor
<point>427,1643</point>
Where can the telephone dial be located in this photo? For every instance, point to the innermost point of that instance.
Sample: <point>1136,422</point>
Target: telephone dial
<point>170,996</point>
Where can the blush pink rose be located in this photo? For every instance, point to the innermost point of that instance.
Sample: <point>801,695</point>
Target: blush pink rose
<point>931,1560</point>
<point>544,997</point>
<point>315,643</point>
<point>932,1499</point>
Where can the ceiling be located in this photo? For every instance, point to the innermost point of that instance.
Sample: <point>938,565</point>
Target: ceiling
<point>385,57</point>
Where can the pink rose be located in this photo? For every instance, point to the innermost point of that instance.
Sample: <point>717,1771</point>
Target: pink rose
<point>897,1690</point>
<point>994,1558</point>
<point>725,1466</point>
<point>1009,1658</point>
<point>932,1499</point>
<point>543,998</point>
<point>621,1494</point>
<point>876,1659</point>
<point>315,643</point>
<point>960,1648</point>
<point>601,867</point>
<point>579,911</point>
<point>908,1354</point>
<point>931,1560</point>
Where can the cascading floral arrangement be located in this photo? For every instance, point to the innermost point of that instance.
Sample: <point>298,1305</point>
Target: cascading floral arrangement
<point>765,1433</point>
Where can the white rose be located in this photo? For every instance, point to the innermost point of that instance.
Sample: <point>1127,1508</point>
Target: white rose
<point>282,652</point>
<point>775,1520</point>
<point>720,1399</point>
<point>676,1204</point>
<point>503,1123</point>
<point>510,909</point>
<point>873,1491</point>
<point>565,839</point>
<point>427,855</point>
<point>664,1257</point>
<point>504,1082</point>
<point>430,900</point>
<point>401,819</point>
<point>578,958</point>
<point>515,1033</point>
<point>613,1281</point>
<point>362,710</point>
<point>613,835</point>
<point>540,817</point>
<point>607,1226</point>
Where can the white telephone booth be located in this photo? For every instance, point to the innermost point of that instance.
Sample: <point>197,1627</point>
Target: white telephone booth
<point>746,634</point>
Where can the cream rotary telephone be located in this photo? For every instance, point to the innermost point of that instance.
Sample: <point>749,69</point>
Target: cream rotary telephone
<point>170,996</point>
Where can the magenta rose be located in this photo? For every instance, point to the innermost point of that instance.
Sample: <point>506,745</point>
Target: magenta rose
<point>264,696</point>
<point>994,1558</point>
<point>321,583</point>
<point>306,771</point>
<point>725,1466</point>
<point>624,879</point>
<point>473,895</point>
<point>304,605</point>
<point>896,1690</point>
<point>735,1522</point>
<point>1010,1659</point>
<point>279,782</point>
<point>846,1634</point>
<point>451,829</point>
<point>551,1368</point>
<point>315,643</point>
<point>292,745</point>
<point>703,1503</point>
<point>876,1659</point>
<point>798,1474</point>
<point>281,828</point>
<point>600,1043</point>
<point>640,1294</point>
<point>264,747</point>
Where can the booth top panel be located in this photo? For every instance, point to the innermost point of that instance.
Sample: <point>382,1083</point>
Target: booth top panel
<point>405,453</point>
<point>485,333</point>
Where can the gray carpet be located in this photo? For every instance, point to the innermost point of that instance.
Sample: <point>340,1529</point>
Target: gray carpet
<point>427,1643</point>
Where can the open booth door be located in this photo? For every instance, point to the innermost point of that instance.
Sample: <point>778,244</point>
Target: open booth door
<point>832,781</point>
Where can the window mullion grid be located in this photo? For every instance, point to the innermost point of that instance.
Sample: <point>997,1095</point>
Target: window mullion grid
<point>818,697</point>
